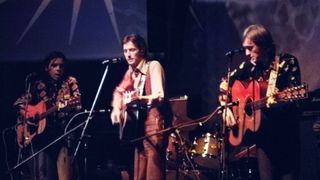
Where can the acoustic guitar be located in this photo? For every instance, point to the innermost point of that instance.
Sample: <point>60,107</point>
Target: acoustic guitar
<point>132,109</point>
<point>248,114</point>
<point>35,119</point>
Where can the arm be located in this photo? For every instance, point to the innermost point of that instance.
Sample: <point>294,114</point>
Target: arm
<point>227,114</point>
<point>157,78</point>
<point>75,94</point>
<point>238,74</point>
<point>20,107</point>
<point>117,103</point>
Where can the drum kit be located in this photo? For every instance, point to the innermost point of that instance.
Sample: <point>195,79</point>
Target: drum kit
<point>201,158</point>
<point>204,151</point>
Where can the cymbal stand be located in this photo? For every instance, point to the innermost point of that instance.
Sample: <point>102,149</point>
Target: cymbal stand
<point>182,156</point>
<point>185,152</point>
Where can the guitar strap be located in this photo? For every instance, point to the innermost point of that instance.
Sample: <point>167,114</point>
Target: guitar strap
<point>273,77</point>
<point>140,85</point>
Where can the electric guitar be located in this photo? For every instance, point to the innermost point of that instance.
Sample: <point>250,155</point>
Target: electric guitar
<point>248,113</point>
<point>35,119</point>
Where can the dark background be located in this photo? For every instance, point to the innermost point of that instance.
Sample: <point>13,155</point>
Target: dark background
<point>189,38</point>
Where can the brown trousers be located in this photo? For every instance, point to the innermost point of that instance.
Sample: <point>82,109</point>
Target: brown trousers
<point>149,160</point>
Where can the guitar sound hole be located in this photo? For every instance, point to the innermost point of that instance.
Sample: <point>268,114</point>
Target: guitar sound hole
<point>32,129</point>
<point>248,108</point>
<point>235,130</point>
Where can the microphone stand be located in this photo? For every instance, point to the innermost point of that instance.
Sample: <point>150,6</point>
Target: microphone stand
<point>223,162</point>
<point>27,87</point>
<point>50,144</point>
<point>201,120</point>
<point>179,126</point>
<point>85,123</point>
<point>88,120</point>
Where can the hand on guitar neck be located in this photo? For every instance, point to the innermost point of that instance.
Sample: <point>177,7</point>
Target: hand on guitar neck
<point>148,101</point>
<point>272,99</point>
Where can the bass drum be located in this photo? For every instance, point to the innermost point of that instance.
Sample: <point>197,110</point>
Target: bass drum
<point>205,151</point>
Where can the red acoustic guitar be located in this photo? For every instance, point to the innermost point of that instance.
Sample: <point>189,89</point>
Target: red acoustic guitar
<point>247,114</point>
<point>35,120</point>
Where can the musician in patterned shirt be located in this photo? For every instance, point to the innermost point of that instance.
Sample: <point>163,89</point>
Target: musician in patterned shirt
<point>58,95</point>
<point>276,126</point>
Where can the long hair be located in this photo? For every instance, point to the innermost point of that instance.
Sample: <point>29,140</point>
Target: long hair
<point>138,41</point>
<point>262,38</point>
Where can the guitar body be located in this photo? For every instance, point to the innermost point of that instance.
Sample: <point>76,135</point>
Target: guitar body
<point>35,120</point>
<point>131,126</point>
<point>246,118</point>
<point>31,130</point>
<point>248,113</point>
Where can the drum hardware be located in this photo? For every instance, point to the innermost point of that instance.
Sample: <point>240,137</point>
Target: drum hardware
<point>244,168</point>
<point>246,153</point>
<point>189,175</point>
<point>182,149</point>
<point>178,155</point>
<point>206,150</point>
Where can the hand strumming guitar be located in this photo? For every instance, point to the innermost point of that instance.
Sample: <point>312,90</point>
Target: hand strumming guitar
<point>131,97</point>
<point>227,114</point>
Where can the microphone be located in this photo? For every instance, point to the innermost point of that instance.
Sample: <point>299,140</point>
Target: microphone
<point>112,61</point>
<point>233,52</point>
<point>28,80</point>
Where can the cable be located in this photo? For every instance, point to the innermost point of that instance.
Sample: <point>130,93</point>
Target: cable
<point>85,112</point>
<point>5,151</point>
<point>72,118</point>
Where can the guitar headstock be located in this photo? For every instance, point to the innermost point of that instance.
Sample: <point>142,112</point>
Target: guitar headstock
<point>294,93</point>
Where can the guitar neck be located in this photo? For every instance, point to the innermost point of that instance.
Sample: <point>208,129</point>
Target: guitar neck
<point>48,112</point>
<point>256,105</point>
<point>295,93</point>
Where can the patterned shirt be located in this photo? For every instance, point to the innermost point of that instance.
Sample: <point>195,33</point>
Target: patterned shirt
<point>288,74</point>
<point>52,93</point>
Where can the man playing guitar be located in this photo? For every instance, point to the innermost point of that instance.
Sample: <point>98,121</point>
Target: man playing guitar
<point>143,83</point>
<point>43,112</point>
<point>275,126</point>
